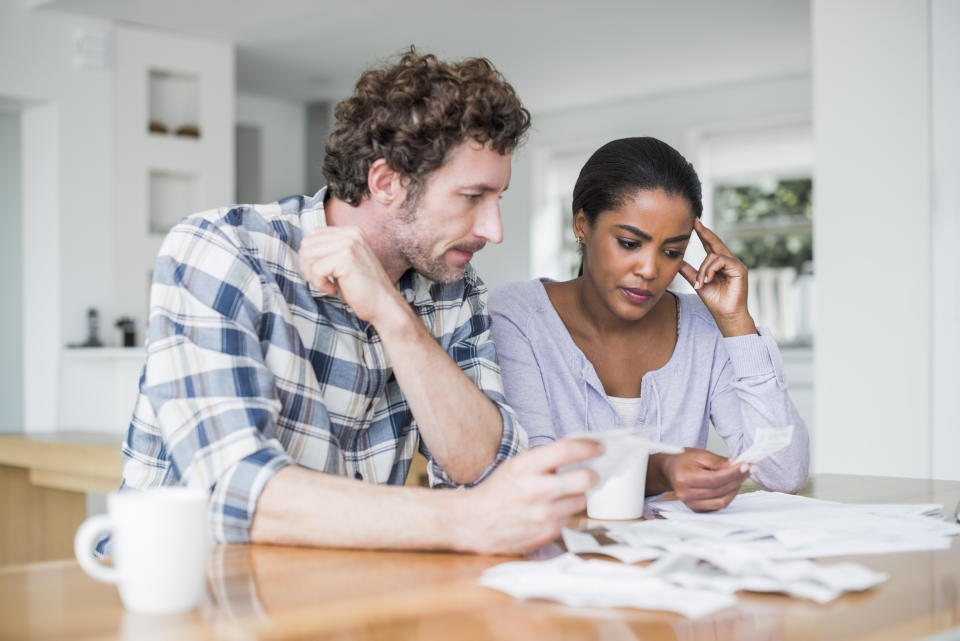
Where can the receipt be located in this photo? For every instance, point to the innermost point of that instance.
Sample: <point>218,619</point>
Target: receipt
<point>766,441</point>
<point>623,446</point>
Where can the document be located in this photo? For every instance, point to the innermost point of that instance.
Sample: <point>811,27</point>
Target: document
<point>570,580</point>
<point>623,447</point>
<point>693,580</point>
<point>784,526</point>
<point>761,542</point>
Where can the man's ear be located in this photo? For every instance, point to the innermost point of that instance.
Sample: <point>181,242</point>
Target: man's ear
<point>385,184</point>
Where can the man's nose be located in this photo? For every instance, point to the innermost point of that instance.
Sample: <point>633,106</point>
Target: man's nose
<point>489,227</point>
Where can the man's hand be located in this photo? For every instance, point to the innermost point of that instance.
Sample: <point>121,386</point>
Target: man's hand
<point>701,479</point>
<point>525,502</point>
<point>344,255</point>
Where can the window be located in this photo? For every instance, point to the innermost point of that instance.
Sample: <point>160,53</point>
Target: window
<point>758,197</point>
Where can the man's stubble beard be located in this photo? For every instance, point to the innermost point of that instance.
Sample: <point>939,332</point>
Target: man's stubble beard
<point>412,244</point>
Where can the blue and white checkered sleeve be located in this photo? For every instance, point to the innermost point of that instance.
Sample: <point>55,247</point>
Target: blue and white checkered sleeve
<point>473,350</point>
<point>205,380</point>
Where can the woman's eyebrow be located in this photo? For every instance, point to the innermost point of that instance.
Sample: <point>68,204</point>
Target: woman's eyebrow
<point>644,235</point>
<point>636,231</point>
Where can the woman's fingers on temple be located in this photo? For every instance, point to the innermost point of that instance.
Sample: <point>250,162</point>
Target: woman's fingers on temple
<point>705,268</point>
<point>689,272</point>
<point>718,264</point>
<point>707,237</point>
<point>703,234</point>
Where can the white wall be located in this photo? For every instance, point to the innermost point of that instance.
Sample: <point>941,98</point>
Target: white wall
<point>872,233</point>
<point>675,118</point>
<point>945,136</point>
<point>282,125</point>
<point>11,267</point>
<point>147,205</point>
<point>67,222</point>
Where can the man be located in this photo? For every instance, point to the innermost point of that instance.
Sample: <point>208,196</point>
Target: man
<point>300,352</point>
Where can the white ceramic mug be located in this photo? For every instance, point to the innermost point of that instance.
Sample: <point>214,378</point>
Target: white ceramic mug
<point>620,494</point>
<point>159,540</point>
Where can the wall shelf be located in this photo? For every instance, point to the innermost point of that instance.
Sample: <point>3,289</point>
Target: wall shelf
<point>174,101</point>
<point>173,80</point>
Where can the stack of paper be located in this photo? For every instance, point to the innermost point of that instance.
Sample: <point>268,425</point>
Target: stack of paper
<point>570,580</point>
<point>758,543</point>
<point>725,566</point>
<point>783,526</point>
<point>693,582</point>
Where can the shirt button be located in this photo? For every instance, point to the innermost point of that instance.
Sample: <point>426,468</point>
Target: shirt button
<point>358,476</point>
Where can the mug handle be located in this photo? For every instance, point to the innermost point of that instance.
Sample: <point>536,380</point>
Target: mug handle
<point>83,544</point>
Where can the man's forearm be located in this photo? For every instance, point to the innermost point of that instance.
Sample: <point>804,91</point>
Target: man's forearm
<point>460,424</point>
<point>304,507</point>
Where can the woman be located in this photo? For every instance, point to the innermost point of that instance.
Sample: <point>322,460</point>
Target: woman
<point>615,348</point>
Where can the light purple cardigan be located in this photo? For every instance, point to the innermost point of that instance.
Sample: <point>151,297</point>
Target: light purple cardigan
<point>738,383</point>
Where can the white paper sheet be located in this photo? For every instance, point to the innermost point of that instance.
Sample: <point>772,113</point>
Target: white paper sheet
<point>572,581</point>
<point>766,441</point>
<point>760,542</point>
<point>784,526</point>
<point>622,447</point>
<point>578,542</point>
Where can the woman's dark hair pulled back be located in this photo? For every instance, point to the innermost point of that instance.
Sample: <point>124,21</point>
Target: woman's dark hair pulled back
<point>623,167</point>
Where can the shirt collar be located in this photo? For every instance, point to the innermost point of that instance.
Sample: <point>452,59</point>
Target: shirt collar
<point>312,214</point>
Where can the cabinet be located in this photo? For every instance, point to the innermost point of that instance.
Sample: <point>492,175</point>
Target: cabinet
<point>99,387</point>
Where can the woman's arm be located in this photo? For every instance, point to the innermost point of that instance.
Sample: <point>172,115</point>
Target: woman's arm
<point>751,393</point>
<point>750,390</point>
<point>523,383</point>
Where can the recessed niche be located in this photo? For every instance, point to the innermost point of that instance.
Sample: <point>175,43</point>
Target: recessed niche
<point>174,101</point>
<point>172,196</point>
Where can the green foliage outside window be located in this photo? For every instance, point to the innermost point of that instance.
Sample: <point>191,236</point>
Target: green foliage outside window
<point>767,224</point>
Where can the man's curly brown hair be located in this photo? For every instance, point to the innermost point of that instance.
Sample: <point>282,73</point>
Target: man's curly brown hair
<point>412,114</point>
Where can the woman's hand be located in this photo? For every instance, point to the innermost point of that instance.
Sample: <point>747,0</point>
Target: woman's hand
<point>703,480</point>
<point>721,283</point>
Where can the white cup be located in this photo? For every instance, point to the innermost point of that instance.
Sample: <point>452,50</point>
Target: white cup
<point>619,493</point>
<point>621,472</point>
<point>159,541</point>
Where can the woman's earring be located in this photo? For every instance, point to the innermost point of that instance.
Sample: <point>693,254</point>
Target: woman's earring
<point>580,241</point>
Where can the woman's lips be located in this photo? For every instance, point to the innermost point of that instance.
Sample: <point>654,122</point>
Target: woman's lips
<point>636,295</point>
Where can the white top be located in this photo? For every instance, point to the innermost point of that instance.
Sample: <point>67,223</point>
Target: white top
<point>628,409</point>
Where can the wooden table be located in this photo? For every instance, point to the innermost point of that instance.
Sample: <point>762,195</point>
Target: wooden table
<point>264,592</point>
<point>44,481</point>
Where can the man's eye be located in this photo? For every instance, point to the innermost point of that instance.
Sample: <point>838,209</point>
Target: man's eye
<point>472,198</point>
<point>628,244</point>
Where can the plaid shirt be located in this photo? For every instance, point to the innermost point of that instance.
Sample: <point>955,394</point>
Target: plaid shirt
<point>250,369</point>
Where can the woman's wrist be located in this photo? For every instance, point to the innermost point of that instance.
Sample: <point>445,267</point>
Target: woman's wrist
<point>738,325</point>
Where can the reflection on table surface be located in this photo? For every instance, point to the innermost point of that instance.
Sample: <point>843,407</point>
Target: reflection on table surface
<point>265,592</point>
